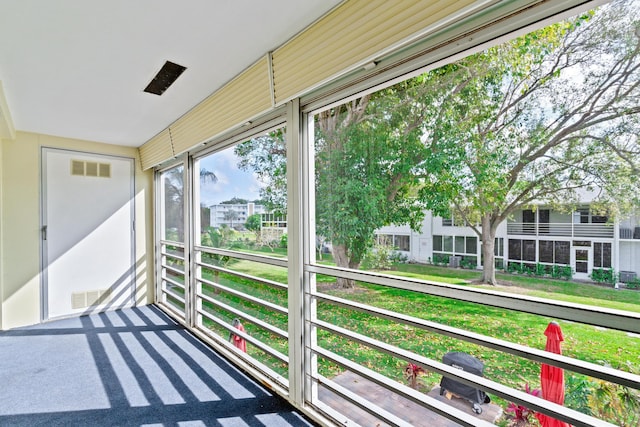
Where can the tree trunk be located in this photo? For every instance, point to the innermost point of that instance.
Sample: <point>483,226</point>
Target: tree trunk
<point>488,251</point>
<point>341,259</point>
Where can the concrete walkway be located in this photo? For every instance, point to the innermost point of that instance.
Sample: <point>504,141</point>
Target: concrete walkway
<point>403,408</point>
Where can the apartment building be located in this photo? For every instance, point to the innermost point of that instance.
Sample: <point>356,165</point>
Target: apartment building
<point>580,239</point>
<point>233,215</point>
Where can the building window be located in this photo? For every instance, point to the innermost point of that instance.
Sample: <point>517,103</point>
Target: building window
<point>447,243</point>
<point>522,250</point>
<point>472,245</point>
<point>562,252</point>
<point>456,244</point>
<point>581,216</point>
<point>545,251</point>
<point>437,243</point>
<point>553,252</point>
<point>599,219</point>
<point>515,249</point>
<point>528,216</point>
<point>499,247</point>
<point>447,222</point>
<point>401,243</point>
<point>529,250</point>
<point>385,239</point>
<point>601,255</point>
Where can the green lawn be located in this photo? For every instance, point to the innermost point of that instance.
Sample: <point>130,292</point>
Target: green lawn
<point>582,342</point>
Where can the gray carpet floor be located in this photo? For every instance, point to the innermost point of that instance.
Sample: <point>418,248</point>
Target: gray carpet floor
<point>132,367</point>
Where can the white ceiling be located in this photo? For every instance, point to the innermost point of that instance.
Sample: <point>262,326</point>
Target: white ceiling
<point>77,68</point>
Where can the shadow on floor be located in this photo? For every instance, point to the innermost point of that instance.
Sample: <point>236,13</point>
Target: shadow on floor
<point>127,367</point>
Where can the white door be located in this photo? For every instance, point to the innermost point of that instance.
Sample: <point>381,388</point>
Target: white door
<point>583,262</point>
<point>87,232</point>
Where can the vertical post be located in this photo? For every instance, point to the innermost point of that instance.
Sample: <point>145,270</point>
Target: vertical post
<point>615,248</point>
<point>309,254</point>
<point>294,253</point>
<point>187,181</point>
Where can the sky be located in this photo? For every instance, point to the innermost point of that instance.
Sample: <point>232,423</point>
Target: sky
<point>232,182</point>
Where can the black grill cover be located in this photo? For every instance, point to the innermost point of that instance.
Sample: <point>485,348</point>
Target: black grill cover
<point>467,363</point>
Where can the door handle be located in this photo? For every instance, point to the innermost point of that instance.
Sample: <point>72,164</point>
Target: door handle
<point>44,232</point>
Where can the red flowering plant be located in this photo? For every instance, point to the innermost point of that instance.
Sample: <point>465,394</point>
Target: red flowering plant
<point>521,415</point>
<point>411,372</point>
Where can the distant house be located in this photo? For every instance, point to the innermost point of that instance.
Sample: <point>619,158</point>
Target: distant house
<point>273,227</point>
<point>581,239</point>
<point>233,215</point>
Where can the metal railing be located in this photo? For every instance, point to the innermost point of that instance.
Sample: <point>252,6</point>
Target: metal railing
<point>591,315</point>
<point>172,289</point>
<point>560,229</point>
<point>224,294</point>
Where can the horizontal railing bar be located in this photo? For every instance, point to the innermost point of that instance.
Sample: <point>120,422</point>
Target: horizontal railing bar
<point>172,309</point>
<point>591,315</point>
<point>415,396</point>
<point>363,404</point>
<point>173,282</point>
<point>246,361</point>
<point>243,275</point>
<point>174,296</point>
<point>248,317</point>
<point>170,268</point>
<point>263,259</point>
<point>540,405</point>
<point>172,243</point>
<point>256,343</point>
<point>242,295</point>
<point>172,256</point>
<point>549,358</point>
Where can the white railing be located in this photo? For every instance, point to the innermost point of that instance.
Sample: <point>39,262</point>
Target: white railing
<point>560,229</point>
<point>629,232</point>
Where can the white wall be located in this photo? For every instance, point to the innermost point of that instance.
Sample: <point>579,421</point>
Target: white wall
<point>20,224</point>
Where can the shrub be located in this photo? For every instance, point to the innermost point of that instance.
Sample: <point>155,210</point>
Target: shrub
<point>411,373</point>
<point>520,415</point>
<point>398,257</point>
<point>616,403</point>
<point>440,259</point>
<point>566,272</point>
<point>578,388</point>
<point>602,399</point>
<point>634,284</point>
<point>284,241</point>
<point>604,275</point>
<point>468,263</point>
<point>378,258</point>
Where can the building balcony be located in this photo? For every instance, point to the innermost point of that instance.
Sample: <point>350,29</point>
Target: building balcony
<point>561,229</point>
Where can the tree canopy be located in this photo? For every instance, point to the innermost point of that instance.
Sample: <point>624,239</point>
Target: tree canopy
<point>537,119</point>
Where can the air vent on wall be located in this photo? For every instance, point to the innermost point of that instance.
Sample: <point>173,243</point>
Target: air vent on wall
<point>90,298</point>
<point>77,168</point>
<point>168,74</point>
<point>82,168</point>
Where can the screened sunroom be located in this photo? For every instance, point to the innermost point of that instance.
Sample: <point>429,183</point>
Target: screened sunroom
<point>198,188</point>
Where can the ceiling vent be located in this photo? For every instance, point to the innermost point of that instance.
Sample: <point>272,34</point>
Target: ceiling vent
<point>168,74</point>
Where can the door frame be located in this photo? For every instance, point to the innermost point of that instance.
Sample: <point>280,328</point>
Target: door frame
<point>574,261</point>
<point>44,276</point>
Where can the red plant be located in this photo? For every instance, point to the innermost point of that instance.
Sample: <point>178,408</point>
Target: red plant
<point>521,415</point>
<point>412,371</point>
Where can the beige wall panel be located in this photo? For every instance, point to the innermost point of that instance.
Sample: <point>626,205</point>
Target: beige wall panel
<point>1,231</point>
<point>352,33</point>
<point>20,216</point>
<point>156,150</point>
<point>240,100</point>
